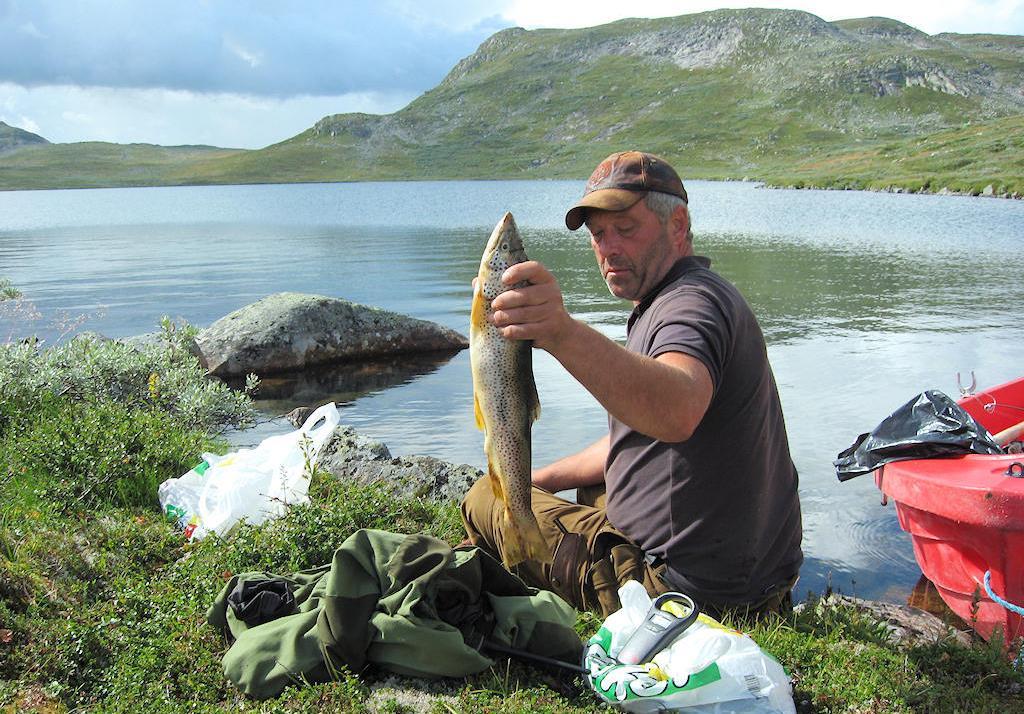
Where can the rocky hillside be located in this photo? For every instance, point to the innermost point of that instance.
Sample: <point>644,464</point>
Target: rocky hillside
<point>728,93</point>
<point>11,137</point>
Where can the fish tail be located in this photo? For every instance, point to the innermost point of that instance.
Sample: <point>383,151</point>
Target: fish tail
<point>524,541</point>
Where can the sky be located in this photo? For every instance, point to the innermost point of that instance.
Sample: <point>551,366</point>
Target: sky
<point>249,73</point>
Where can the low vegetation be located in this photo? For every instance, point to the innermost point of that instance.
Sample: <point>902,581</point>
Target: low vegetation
<point>978,158</point>
<point>102,602</point>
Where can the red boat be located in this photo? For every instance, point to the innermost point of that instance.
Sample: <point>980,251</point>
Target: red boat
<point>965,516</point>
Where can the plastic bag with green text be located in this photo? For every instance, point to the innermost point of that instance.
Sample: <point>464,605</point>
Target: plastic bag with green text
<point>251,484</point>
<point>708,669</point>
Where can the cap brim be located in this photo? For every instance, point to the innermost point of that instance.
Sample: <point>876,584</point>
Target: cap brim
<point>605,199</point>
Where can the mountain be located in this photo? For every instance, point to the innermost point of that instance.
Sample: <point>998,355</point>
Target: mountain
<point>11,137</point>
<point>780,95</point>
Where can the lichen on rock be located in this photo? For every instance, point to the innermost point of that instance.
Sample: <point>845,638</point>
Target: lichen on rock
<point>290,331</point>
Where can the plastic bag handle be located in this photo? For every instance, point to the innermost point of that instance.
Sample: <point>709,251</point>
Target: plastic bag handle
<point>328,413</point>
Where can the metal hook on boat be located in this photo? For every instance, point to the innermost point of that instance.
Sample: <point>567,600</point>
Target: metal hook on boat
<point>966,392</point>
<point>1015,470</point>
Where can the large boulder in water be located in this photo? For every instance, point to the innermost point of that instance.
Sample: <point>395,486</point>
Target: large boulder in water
<point>290,331</point>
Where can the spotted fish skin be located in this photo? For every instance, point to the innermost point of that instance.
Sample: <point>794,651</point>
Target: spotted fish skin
<point>505,399</point>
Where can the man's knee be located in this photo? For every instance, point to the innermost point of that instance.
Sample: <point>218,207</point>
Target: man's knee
<point>478,510</point>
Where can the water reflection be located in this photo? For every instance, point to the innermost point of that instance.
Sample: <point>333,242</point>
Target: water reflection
<point>342,383</point>
<point>865,300</point>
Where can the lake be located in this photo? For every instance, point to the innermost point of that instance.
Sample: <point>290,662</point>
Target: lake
<point>865,299</point>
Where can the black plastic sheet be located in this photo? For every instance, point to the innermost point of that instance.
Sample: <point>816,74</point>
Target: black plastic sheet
<point>928,426</point>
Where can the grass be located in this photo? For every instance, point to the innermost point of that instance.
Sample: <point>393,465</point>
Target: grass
<point>971,159</point>
<point>102,603</point>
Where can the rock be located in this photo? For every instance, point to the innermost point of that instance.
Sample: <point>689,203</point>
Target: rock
<point>988,190</point>
<point>92,336</point>
<point>351,456</point>
<point>907,625</point>
<point>290,331</point>
<point>149,340</point>
<point>347,446</point>
<point>297,416</point>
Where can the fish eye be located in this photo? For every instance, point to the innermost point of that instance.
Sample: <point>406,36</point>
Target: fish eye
<point>504,246</point>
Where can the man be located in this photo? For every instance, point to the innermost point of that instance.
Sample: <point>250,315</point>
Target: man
<point>701,491</point>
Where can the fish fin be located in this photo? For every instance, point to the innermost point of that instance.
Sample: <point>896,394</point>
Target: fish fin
<point>523,541</point>
<point>478,412</point>
<point>478,312</point>
<point>532,400</point>
<point>495,479</point>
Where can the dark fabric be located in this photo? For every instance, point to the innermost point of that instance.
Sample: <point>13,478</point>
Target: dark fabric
<point>928,426</point>
<point>720,509</point>
<point>261,600</point>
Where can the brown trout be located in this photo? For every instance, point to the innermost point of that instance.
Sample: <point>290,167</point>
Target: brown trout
<point>505,399</point>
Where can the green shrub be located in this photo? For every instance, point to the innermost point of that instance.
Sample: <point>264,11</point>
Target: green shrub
<point>164,375</point>
<point>82,455</point>
<point>8,291</point>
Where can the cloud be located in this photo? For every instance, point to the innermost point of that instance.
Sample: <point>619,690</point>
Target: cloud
<point>30,29</point>
<point>260,47</point>
<point>253,59</point>
<point>67,113</point>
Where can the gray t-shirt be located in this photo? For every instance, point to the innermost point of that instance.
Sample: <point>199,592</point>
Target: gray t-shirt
<point>721,509</point>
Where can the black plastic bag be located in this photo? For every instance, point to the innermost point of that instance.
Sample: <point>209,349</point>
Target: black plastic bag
<point>929,425</point>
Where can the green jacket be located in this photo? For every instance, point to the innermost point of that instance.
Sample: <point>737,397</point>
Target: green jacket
<point>408,603</point>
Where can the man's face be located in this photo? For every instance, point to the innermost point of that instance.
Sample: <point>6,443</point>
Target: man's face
<point>634,251</point>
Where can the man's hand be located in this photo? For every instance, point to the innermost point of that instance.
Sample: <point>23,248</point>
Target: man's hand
<point>533,312</point>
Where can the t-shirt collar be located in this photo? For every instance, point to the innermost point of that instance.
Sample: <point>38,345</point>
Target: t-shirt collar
<point>678,269</point>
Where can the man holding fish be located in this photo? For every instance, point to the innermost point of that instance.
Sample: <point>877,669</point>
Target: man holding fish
<point>693,488</point>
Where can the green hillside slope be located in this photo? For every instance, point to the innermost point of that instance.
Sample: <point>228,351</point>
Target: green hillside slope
<point>11,137</point>
<point>730,93</point>
<point>97,164</point>
<point>985,158</point>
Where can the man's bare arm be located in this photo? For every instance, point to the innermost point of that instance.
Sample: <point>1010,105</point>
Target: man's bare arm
<point>664,397</point>
<point>584,468</point>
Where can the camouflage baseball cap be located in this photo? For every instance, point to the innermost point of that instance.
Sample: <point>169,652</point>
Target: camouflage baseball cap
<point>621,180</point>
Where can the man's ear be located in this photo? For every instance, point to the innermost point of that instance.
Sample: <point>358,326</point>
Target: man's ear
<point>680,223</point>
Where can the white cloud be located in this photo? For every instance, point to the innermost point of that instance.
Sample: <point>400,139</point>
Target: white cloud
<point>70,113</point>
<point>29,28</point>
<point>253,59</point>
<point>27,124</point>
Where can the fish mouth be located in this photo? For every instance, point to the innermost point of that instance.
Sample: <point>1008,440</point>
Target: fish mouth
<point>505,238</point>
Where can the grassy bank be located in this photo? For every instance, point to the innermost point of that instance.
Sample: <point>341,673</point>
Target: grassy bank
<point>984,158</point>
<point>102,603</point>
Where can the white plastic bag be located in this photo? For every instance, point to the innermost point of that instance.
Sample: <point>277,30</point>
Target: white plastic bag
<point>254,484</point>
<point>709,668</point>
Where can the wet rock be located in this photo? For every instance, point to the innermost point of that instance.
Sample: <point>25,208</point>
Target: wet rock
<point>907,625</point>
<point>349,455</point>
<point>289,331</point>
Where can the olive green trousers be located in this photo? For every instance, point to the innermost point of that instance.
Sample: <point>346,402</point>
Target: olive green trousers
<point>590,558</point>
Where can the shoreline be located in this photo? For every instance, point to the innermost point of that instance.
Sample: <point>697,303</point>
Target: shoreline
<point>764,183</point>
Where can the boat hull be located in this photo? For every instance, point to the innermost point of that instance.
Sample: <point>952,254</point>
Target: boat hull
<point>965,516</point>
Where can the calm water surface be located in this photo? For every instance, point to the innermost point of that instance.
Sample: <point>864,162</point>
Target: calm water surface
<point>865,300</point>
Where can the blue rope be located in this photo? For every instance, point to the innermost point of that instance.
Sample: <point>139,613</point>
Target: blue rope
<point>1019,662</point>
